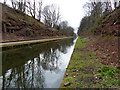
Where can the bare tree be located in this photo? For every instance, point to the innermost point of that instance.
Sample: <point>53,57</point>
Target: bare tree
<point>24,7</point>
<point>31,9</point>
<point>88,8</point>
<point>20,5</point>
<point>57,17</point>
<point>51,15</point>
<point>115,4</point>
<point>108,6</point>
<point>40,10</point>
<point>34,8</point>
<point>14,4</point>
<point>119,3</point>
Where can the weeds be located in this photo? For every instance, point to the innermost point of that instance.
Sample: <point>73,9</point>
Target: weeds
<point>108,76</point>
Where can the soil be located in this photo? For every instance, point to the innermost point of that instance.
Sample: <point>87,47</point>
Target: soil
<point>106,49</point>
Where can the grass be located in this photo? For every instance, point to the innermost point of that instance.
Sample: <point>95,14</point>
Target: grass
<point>109,76</point>
<point>84,71</point>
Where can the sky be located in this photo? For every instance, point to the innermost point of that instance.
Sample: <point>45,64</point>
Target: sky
<point>71,10</point>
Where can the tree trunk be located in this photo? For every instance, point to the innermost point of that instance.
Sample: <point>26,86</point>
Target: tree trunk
<point>115,4</point>
<point>119,3</point>
<point>4,28</point>
<point>5,2</point>
<point>34,10</point>
<point>24,7</point>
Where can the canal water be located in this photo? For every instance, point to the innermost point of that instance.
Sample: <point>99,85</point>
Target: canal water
<point>36,66</point>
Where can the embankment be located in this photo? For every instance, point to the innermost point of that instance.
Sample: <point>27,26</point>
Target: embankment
<point>17,26</point>
<point>86,70</point>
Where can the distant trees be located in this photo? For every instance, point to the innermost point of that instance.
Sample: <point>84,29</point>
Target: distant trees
<point>66,29</point>
<point>63,25</point>
<point>95,10</point>
<point>85,23</point>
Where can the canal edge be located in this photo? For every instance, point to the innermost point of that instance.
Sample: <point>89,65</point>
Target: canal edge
<point>27,43</point>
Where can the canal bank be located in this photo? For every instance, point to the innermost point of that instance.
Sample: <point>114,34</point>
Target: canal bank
<point>86,71</point>
<point>27,43</point>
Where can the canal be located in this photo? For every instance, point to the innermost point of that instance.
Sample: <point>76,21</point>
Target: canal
<point>36,66</point>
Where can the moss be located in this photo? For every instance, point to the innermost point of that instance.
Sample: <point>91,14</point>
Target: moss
<point>108,76</point>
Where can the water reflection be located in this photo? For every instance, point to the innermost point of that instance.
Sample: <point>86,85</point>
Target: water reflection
<point>35,66</point>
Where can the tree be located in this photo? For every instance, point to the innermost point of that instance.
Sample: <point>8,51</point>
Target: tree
<point>14,4</point>
<point>88,8</point>
<point>94,12</point>
<point>40,10</point>
<point>20,5</point>
<point>66,29</point>
<point>31,8</point>
<point>5,2</point>
<point>115,4</point>
<point>119,3</point>
<point>63,25</point>
<point>51,15</point>
<point>84,24</point>
<point>34,8</point>
<point>24,7</point>
<point>107,6</point>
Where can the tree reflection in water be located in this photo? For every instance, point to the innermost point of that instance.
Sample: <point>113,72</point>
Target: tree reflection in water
<point>26,67</point>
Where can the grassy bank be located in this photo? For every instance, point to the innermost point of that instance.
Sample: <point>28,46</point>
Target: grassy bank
<point>18,26</point>
<point>85,71</point>
<point>25,43</point>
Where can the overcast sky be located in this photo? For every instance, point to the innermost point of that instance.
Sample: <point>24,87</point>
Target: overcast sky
<point>71,10</point>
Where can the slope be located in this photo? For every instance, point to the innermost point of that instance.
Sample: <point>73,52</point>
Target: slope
<point>17,26</point>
